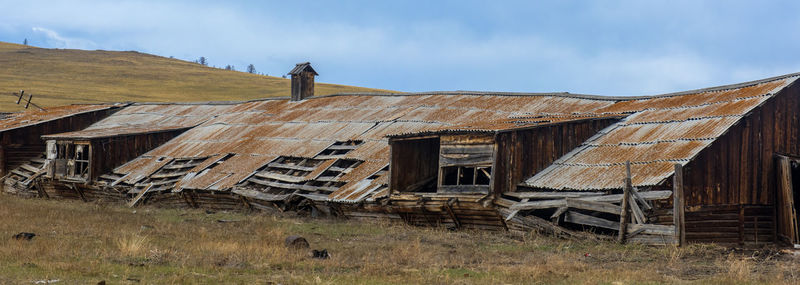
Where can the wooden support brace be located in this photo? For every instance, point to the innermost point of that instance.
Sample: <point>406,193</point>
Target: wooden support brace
<point>642,200</point>
<point>452,214</point>
<point>678,205</point>
<point>139,197</point>
<point>623,216</point>
<point>638,215</point>
<point>515,212</point>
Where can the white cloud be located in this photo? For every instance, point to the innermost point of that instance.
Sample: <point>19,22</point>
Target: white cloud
<point>53,39</point>
<point>418,55</point>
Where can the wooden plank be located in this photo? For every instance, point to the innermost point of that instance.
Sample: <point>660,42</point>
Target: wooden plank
<point>478,189</point>
<point>487,149</point>
<point>558,212</point>
<point>289,166</point>
<point>652,229</point>
<point>483,160</point>
<point>258,195</point>
<point>613,198</point>
<point>167,175</point>
<point>678,205</point>
<point>139,197</point>
<point>551,195</point>
<point>638,215</point>
<point>623,216</point>
<point>640,199</point>
<point>29,168</point>
<point>515,212</point>
<point>593,206</point>
<point>280,177</point>
<point>292,186</point>
<point>544,204</point>
<point>582,219</point>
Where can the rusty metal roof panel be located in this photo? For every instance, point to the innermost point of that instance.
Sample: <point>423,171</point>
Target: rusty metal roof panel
<point>697,99</point>
<point>661,131</point>
<point>33,117</point>
<point>148,118</point>
<point>709,128</point>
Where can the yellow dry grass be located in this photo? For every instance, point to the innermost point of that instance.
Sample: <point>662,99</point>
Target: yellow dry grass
<point>84,243</point>
<point>63,76</point>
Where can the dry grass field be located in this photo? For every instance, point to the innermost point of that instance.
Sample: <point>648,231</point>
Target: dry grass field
<point>63,76</point>
<point>84,243</point>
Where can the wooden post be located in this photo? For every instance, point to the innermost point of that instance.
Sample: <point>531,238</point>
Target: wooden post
<point>678,205</point>
<point>626,193</point>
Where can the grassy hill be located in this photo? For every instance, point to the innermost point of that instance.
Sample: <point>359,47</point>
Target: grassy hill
<point>63,76</point>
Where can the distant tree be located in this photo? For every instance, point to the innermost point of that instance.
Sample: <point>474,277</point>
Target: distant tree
<point>25,42</point>
<point>283,76</point>
<point>251,68</point>
<point>202,60</point>
<point>229,67</point>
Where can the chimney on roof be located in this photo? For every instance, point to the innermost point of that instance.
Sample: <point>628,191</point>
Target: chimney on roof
<point>302,81</point>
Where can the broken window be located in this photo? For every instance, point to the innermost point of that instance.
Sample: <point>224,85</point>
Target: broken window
<point>72,160</point>
<point>466,175</point>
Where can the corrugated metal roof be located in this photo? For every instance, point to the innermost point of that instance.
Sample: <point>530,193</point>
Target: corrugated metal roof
<point>657,132</point>
<point>264,130</point>
<point>33,117</point>
<point>147,118</point>
<point>662,131</point>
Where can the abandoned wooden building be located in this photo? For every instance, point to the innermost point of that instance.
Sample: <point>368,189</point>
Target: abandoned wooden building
<point>21,146</point>
<point>710,165</point>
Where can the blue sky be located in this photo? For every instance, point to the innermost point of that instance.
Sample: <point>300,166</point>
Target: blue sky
<point>592,47</point>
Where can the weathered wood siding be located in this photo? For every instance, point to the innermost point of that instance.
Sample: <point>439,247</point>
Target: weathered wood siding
<point>108,153</point>
<point>738,171</point>
<point>465,150</point>
<point>20,145</point>
<point>523,153</point>
<point>413,161</point>
<point>733,224</point>
<point>739,168</point>
<point>302,86</point>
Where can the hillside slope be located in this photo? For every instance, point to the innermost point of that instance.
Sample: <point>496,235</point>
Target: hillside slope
<point>63,76</point>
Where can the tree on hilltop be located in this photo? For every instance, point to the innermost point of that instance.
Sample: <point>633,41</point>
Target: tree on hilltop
<point>251,68</point>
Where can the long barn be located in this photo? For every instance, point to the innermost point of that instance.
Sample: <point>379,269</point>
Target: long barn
<point>710,165</point>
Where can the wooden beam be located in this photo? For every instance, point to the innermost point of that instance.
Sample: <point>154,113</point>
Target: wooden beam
<point>678,218</point>
<point>593,206</point>
<point>515,212</point>
<point>623,216</point>
<point>289,166</point>
<point>638,197</point>
<point>139,197</point>
<point>452,214</point>
<point>613,198</point>
<point>583,219</point>
<point>551,195</point>
<point>638,215</point>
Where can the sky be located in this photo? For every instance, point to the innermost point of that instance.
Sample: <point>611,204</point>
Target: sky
<point>587,47</point>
